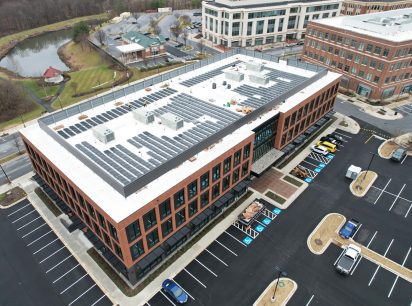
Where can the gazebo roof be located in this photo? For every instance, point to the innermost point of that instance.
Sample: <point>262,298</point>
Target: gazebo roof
<point>51,72</point>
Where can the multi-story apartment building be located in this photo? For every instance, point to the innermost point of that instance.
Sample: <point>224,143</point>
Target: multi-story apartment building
<point>358,7</point>
<point>258,22</point>
<point>147,166</point>
<point>373,51</point>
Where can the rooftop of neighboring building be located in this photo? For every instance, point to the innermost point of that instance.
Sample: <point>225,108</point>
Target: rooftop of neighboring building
<point>164,132</point>
<point>248,4</point>
<point>393,25</point>
<point>144,40</point>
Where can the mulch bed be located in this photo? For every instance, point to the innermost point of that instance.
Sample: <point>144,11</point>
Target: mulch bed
<point>12,196</point>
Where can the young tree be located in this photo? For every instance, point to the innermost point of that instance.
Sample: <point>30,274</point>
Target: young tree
<point>80,29</point>
<point>101,37</point>
<point>156,30</point>
<point>185,20</point>
<point>16,140</point>
<point>138,26</point>
<point>201,45</point>
<point>185,36</point>
<point>175,29</point>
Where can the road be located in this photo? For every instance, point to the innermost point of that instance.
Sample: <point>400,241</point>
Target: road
<point>8,145</point>
<point>393,127</point>
<point>15,168</point>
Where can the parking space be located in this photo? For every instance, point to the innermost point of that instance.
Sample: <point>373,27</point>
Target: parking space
<point>405,110</point>
<point>65,275</point>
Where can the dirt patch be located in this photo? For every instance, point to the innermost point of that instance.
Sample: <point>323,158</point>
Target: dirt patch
<point>12,196</point>
<point>321,237</point>
<point>284,292</point>
<point>387,148</point>
<point>363,182</point>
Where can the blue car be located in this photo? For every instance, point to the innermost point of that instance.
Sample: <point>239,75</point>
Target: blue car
<point>175,291</point>
<point>349,229</point>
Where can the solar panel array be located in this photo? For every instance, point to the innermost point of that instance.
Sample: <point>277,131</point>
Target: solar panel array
<point>208,75</point>
<point>87,124</point>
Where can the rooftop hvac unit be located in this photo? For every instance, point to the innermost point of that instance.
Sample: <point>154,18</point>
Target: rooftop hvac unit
<point>259,78</point>
<point>143,115</point>
<point>172,121</point>
<point>234,75</point>
<point>253,66</point>
<point>103,133</point>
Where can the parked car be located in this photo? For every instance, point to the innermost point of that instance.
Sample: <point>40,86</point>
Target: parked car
<point>349,229</point>
<point>348,259</point>
<point>337,137</point>
<point>329,146</point>
<point>330,139</point>
<point>398,155</point>
<point>179,45</point>
<point>300,43</point>
<point>175,291</point>
<point>320,150</point>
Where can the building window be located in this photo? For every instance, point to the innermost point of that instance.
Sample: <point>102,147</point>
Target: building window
<point>249,28</point>
<point>192,189</point>
<point>236,16</point>
<point>204,181</point>
<point>227,164</point>
<point>165,209</point>
<point>149,219</point>
<point>133,231</point>
<point>246,151</point>
<point>235,28</point>
<point>361,46</point>
<point>102,221</point>
<point>204,199</point>
<point>271,26</point>
<point>376,79</point>
<point>152,238</point>
<point>137,249</point>
<point>192,208</point>
<point>226,182</point>
<point>236,158</point>
<point>113,232</point>
<point>245,168</point>
<point>369,48</point>
<point>180,217</point>
<point>215,191</point>
<point>280,25</point>
<point>107,240</point>
<point>385,52</point>
<point>235,174</point>
<point>259,27</point>
<point>216,173</point>
<point>179,198</point>
<point>378,50</point>
<point>167,227</point>
<point>118,251</point>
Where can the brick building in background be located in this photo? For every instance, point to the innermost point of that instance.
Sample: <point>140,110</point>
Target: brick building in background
<point>358,7</point>
<point>146,167</point>
<point>372,51</point>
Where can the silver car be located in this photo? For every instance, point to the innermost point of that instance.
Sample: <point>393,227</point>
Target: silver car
<point>398,155</point>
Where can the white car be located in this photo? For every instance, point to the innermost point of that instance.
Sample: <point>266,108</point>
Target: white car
<point>320,150</point>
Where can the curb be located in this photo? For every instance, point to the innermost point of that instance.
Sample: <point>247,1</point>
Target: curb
<point>381,146</point>
<point>292,292</point>
<point>367,188</point>
<point>14,203</point>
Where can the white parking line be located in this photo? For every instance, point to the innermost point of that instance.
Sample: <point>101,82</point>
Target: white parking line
<point>148,304</point>
<point>184,269</point>
<point>213,273</point>
<point>17,210</point>
<point>226,247</point>
<point>392,194</point>
<point>184,290</point>
<point>51,255</point>
<point>310,300</point>
<point>167,298</point>
<point>216,257</point>
<point>24,236</point>
<point>357,230</point>
<point>407,213</point>
<point>404,159</point>
<point>102,298</point>
<point>74,283</point>
<point>393,286</point>
<point>382,191</point>
<point>43,247</point>
<point>377,269</point>
<point>372,239</point>
<point>60,277</point>
<point>32,211</point>
<point>56,265</point>
<point>342,134</point>
<point>343,251</point>
<point>257,221</point>
<point>390,208</point>
<point>235,239</point>
<point>82,294</point>
<point>39,238</point>
<point>309,162</point>
<point>356,265</point>
<point>23,226</point>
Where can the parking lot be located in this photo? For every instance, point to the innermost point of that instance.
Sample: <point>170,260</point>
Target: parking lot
<point>405,110</point>
<point>66,282</point>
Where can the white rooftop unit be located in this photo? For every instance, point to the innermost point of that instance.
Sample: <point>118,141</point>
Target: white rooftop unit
<point>258,78</point>
<point>103,133</point>
<point>143,115</point>
<point>172,121</point>
<point>234,75</point>
<point>254,66</point>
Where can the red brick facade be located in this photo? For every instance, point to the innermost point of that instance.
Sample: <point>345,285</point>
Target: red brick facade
<point>358,7</point>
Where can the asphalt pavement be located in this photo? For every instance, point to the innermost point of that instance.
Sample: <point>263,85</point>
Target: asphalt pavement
<point>16,168</point>
<point>9,146</point>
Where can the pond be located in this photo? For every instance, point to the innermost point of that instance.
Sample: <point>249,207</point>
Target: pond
<point>33,56</point>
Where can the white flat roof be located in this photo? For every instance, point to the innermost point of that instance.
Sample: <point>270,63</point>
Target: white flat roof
<point>393,25</point>
<point>126,127</point>
<point>130,48</point>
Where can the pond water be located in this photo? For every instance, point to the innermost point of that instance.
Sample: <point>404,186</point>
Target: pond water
<point>33,56</point>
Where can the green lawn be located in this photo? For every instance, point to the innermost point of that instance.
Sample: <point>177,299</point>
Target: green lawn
<point>35,113</point>
<point>39,91</point>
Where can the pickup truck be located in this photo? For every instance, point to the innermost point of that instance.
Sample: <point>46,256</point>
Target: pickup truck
<point>348,259</point>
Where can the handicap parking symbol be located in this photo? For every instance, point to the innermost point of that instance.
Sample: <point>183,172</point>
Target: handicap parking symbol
<point>317,170</point>
<point>277,211</point>
<point>330,156</point>
<point>248,240</point>
<point>266,221</point>
<point>321,165</point>
<point>308,180</point>
<point>259,228</point>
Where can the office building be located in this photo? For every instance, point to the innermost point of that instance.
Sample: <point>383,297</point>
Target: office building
<point>358,7</point>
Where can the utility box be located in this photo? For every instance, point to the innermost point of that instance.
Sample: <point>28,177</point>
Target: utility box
<point>253,66</point>
<point>172,121</point>
<point>143,115</point>
<point>353,172</point>
<point>234,76</point>
<point>259,78</point>
<point>103,133</point>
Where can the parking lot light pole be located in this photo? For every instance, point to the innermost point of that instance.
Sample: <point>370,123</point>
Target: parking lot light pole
<point>281,273</point>
<point>5,174</point>
<point>370,162</point>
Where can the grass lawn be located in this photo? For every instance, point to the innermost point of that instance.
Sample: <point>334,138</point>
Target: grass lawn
<point>39,91</point>
<point>35,113</point>
<point>4,41</point>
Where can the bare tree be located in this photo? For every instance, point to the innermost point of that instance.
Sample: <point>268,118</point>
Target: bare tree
<point>16,140</point>
<point>156,30</point>
<point>185,36</point>
<point>201,45</point>
<point>185,20</point>
<point>101,36</point>
<point>138,26</point>
<point>175,29</point>
<point>176,14</point>
<point>84,41</point>
<point>136,15</point>
<point>152,22</point>
<point>13,100</point>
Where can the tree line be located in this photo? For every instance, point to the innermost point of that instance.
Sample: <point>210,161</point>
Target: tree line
<point>19,15</point>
